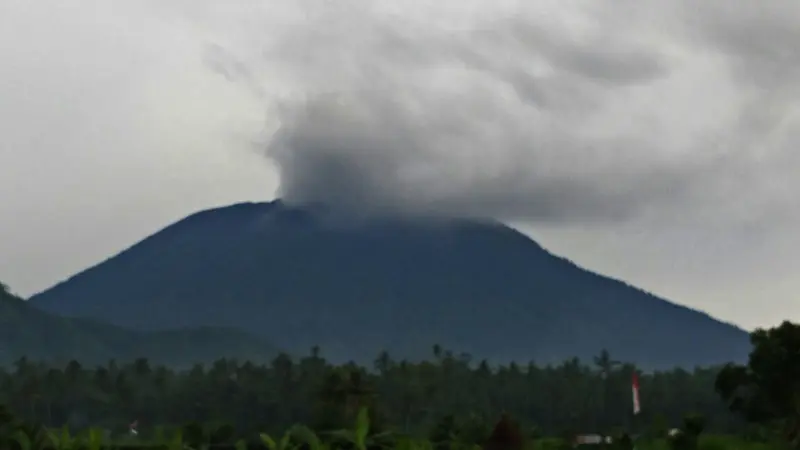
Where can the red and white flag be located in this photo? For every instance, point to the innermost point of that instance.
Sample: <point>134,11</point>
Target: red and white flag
<point>635,391</point>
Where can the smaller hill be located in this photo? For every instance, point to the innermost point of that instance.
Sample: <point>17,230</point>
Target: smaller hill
<point>40,336</point>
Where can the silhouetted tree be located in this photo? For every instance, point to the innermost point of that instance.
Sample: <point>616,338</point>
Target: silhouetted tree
<point>767,389</point>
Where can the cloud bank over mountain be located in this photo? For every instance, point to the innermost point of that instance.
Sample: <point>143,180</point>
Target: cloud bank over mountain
<point>651,140</point>
<point>552,112</point>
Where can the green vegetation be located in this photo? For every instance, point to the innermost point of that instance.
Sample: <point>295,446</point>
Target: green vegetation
<point>506,435</point>
<point>410,396</point>
<point>448,402</point>
<point>436,404</point>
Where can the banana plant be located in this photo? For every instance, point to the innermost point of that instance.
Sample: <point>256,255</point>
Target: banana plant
<point>407,443</point>
<point>160,434</point>
<point>23,440</point>
<point>16,433</point>
<point>61,440</point>
<point>307,436</point>
<point>282,444</point>
<point>358,436</point>
<point>95,439</point>
<point>176,442</point>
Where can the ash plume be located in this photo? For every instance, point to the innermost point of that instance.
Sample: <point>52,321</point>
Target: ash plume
<point>519,113</point>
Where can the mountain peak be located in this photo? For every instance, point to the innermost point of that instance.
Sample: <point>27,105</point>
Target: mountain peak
<point>306,275</point>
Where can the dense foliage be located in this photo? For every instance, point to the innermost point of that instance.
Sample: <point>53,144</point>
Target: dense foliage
<point>506,434</point>
<point>767,390</point>
<point>411,396</point>
<point>445,403</point>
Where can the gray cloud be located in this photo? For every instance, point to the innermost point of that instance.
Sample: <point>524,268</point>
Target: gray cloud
<point>757,38</point>
<point>553,116</point>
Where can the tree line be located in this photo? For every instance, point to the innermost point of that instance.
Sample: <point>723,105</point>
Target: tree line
<point>411,396</point>
<point>418,397</point>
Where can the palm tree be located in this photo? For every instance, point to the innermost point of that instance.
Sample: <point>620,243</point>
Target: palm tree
<point>606,366</point>
<point>437,352</point>
<point>383,362</point>
<point>605,363</point>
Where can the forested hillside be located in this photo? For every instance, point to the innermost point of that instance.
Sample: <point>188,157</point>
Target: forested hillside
<point>27,332</point>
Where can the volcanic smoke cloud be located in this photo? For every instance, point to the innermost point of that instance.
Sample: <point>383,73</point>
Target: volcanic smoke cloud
<point>545,111</point>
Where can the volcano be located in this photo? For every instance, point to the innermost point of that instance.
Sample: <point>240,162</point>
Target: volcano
<point>301,277</point>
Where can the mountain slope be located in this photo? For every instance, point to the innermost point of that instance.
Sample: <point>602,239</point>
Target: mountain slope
<point>37,335</point>
<point>305,277</point>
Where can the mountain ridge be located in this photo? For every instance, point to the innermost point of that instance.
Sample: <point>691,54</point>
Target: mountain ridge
<point>397,284</point>
<point>36,335</point>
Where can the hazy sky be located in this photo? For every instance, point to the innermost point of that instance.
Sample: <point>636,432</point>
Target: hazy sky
<point>651,140</point>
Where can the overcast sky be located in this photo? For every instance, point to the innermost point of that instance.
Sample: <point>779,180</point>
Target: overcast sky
<point>654,141</point>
